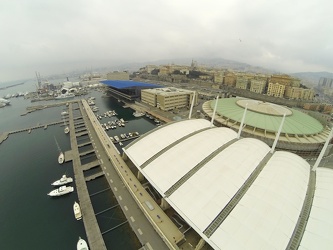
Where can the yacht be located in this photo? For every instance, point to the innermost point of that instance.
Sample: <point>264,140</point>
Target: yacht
<point>64,113</point>
<point>64,94</point>
<point>77,211</point>
<point>62,181</point>
<point>138,114</point>
<point>61,191</point>
<point>61,158</point>
<point>82,244</point>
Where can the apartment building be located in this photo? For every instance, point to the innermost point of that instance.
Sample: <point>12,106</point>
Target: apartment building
<point>299,93</point>
<point>281,79</point>
<point>218,78</point>
<point>275,89</point>
<point>230,79</point>
<point>325,82</point>
<point>241,83</point>
<point>169,98</point>
<point>117,75</point>
<point>257,86</point>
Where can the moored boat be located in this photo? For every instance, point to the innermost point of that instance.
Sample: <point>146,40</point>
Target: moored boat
<point>61,191</point>
<point>63,180</point>
<point>138,114</point>
<point>61,158</point>
<point>66,130</point>
<point>82,244</point>
<point>77,211</point>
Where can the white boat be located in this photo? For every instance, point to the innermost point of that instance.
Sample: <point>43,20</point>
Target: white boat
<point>66,130</point>
<point>64,94</point>
<point>95,109</point>
<point>82,244</point>
<point>77,211</point>
<point>4,101</point>
<point>138,114</point>
<point>62,181</point>
<point>61,191</point>
<point>64,113</point>
<point>61,158</point>
<point>91,102</point>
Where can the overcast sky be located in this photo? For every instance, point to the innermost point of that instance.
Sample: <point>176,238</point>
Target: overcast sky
<point>58,36</point>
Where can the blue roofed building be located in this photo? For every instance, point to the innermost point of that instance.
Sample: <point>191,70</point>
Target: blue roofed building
<point>126,89</point>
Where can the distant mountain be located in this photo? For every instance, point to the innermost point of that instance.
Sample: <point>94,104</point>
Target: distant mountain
<point>309,79</point>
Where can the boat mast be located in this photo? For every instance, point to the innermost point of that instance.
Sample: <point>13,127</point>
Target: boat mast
<point>59,149</point>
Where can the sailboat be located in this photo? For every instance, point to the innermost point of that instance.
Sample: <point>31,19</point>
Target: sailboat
<point>66,130</point>
<point>61,157</point>
<point>82,244</point>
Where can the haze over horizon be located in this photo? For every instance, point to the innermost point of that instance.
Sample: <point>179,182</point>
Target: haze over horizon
<point>59,36</point>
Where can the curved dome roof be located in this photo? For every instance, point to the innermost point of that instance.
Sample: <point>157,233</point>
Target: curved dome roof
<point>234,192</point>
<point>267,116</point>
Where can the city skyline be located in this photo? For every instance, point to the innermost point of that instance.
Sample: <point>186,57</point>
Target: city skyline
<point>60,37</point>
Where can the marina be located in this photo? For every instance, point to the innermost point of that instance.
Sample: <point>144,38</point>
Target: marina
<point>61,208</point>
<point>91,165</point>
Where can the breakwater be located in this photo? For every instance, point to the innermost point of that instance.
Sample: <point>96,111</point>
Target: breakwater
<point>4,136</point>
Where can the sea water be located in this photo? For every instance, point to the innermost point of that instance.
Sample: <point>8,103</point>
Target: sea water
<point>29,219</point>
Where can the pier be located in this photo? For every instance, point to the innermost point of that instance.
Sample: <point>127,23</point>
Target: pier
<point>152,226</point>
<point>93,232</point>
<point>4,136</point>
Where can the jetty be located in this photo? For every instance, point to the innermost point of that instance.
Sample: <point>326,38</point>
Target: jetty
<point>3,136</point>
<point>92,229</point>
<point>154,229</point>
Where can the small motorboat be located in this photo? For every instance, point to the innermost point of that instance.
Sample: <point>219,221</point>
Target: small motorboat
<point>77,211</point>
<point>82,244</point>
<point>61,158</point>
<point>66,130</point>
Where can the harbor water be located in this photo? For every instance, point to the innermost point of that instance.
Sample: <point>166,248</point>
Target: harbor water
<point>29,219</point>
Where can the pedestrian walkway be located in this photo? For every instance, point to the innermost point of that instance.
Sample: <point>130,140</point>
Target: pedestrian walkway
<point>158,231</point>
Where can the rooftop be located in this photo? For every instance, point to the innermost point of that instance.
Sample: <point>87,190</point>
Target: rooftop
<point>168,91</point>
<point>124,84</point>
<point>267,116</point>
<point>201,170</point>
